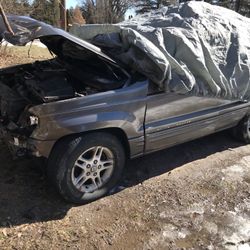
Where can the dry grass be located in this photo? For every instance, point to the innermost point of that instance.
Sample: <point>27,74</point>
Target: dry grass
<point>13,55</point>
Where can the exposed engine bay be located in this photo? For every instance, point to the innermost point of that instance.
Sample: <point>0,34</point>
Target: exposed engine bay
<point>48,81</point>
<point>29,85</point>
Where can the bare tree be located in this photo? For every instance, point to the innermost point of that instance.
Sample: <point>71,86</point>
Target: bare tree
<point>5,20</point>
<point>105,11</point>
<point>47,11</point>
<point>19,7</point>
<point>75,16</point>
<point>143,6</point>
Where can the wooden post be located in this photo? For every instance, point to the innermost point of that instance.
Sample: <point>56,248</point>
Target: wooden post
<point>5,20</point>
<point>63,14</point>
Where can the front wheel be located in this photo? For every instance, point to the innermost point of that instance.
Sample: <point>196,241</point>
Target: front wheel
<point>87,167</point>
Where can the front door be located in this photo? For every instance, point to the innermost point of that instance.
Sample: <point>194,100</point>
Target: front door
<point>173,118</point>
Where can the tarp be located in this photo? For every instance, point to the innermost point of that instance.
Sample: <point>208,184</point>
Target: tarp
<point>194,48</point>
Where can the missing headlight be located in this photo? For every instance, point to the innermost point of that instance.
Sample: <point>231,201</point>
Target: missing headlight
<point>33,120</point>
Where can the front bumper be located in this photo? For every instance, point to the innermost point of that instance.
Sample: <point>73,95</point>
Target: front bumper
<point>21,146</point>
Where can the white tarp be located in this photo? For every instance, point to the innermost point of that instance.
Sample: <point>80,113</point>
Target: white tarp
<point>193,48</point>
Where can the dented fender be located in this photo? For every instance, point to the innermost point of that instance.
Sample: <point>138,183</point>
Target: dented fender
<point>123,109</point>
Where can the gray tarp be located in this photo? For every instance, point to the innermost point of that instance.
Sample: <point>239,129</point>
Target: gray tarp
<point>194,48</point>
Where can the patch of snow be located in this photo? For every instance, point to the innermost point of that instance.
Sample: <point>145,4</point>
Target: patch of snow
<point>245,246</point>
<point>230,226</point>
<point>238,171</point>
<point>169,232</point>
<point>211,227</point>
<point>173,232</point>
<point>35,42</point>
<point>197,208</point>
<point>238,228</point>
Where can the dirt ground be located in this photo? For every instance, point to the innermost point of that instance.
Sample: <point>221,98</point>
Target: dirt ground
<point>192,196</point>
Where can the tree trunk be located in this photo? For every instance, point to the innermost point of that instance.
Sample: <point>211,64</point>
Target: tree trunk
<point>237,5</point>
<point>63,14</point>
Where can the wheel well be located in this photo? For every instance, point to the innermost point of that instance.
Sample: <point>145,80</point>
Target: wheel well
<point>117,132</point>
<point>121,135</point>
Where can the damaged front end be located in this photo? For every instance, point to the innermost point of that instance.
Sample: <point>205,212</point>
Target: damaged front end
<point>17,136</point>
<point>16,123</point>
<point>78,69</point>
<point>41,83</point>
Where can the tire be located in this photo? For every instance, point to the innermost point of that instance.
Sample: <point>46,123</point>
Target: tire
<point>242,130</point>
<point>85,168</point>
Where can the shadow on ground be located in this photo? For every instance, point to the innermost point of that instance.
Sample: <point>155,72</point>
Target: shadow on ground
<point>26,197</point>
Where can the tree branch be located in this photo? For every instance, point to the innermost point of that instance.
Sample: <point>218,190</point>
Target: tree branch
<point>6,22</point>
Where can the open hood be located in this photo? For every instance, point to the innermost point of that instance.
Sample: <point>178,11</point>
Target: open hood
<point>58,41</point>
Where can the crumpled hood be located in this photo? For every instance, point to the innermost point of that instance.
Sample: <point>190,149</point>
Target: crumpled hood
<point>27,29</point>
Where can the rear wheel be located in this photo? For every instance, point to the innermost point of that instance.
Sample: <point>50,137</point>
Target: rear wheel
<point>242,130</point>
<point>87,167</point>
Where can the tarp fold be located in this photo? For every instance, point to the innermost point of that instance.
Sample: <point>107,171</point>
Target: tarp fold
<point>194,48</point>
